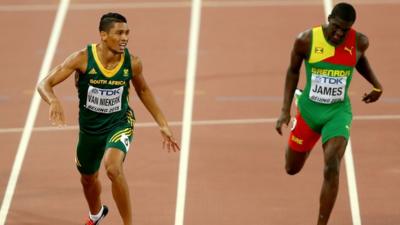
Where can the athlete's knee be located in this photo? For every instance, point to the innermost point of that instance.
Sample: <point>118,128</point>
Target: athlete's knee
<point>113,163</point>
<point>88,180</point>
<point>292,170</point>
<point>294,161</point>
<point>333,150</point>
<point>336,146</point>
<point>114,171</point>
<point>332,169</point>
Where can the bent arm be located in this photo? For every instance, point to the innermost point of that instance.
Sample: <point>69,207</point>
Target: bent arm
<point>291,81</point>
<point>298,54</point>
<point>58,74</point>
<point>364,68</point>
<point>75,62</point>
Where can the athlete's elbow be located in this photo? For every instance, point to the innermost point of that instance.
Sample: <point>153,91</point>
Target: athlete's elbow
<point>142,92</point>
<point>40,87</point>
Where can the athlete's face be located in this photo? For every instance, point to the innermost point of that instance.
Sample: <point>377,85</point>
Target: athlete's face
<point>337,30</point>
<point>117,37</point>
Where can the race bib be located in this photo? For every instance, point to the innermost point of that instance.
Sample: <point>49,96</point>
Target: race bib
<point>327,90</point>
<point>104,100</point>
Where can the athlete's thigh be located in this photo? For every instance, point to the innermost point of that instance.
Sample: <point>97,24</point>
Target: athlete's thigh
<point>120,138</point>
<point>294,160</point>
<point>302,137</point>
<point>113,159</point>
<point>89,153</point>
<point>337,126</point>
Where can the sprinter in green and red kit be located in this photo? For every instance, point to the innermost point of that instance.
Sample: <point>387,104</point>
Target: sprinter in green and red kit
<point>103,73</point>
<point>330,52</point>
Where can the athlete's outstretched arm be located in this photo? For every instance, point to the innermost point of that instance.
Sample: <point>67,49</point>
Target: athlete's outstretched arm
<point>58,74</point>
<point>298,54</point>
<point>366,71</point>
<point>146,96</point>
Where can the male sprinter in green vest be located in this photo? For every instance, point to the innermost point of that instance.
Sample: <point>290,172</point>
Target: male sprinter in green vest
<point>103,74</point>
<point>331,52</point>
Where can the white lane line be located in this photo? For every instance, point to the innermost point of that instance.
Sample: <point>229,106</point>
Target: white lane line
<point>377,117</point>
<point>348,158</point>
<point>176,4</point>
<point>194,33</point>
<point>328,6</point>
<point>352,185</point>
<point>33,109</point>
<point>200,123</point>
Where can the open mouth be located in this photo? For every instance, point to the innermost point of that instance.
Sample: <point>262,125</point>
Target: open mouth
<point>122,46</point>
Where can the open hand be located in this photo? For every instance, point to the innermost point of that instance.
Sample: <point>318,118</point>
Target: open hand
<point>56,114</point>
<point>168,139</point>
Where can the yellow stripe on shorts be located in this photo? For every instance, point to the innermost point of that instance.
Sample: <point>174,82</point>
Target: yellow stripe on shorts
<point>119,132</point>
<point>116,139</point>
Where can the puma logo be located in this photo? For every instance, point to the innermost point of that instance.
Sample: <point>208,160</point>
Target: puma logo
<point>350,50</point>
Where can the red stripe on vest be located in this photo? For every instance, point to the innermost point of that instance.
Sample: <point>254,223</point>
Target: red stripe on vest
<point>345,54</point>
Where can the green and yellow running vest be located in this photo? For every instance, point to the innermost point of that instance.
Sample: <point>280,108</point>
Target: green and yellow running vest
<point>104,94</point>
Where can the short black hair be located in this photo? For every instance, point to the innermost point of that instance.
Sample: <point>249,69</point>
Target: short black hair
<point>344,11</point>
<point>107,21</point>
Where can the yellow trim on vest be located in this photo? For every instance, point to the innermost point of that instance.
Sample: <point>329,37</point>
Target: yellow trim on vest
<point>320,48</point>
<point>106,72</point>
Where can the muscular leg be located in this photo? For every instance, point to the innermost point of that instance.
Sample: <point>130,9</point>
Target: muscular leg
<point>333,153</point>
<point>113,163</point>
<point>295,160</point>
<point>92,189</point>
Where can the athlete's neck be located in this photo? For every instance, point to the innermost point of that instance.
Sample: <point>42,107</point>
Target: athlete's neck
<point>328,36</point>
<point>108,58</point>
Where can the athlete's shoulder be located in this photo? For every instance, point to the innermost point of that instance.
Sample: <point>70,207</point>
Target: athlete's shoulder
<point>303,42</point>
<point>136,63</point>
<point>77,60</point>
<point>81,54</point>
<point>80,59</point>
<point>362,42</point>
<point>305,36</point>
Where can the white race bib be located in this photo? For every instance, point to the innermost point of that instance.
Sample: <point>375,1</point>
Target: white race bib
<point>327,90</point>
<point>104,100</point>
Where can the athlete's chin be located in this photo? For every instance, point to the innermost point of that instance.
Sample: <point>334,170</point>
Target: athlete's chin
<point>122,48</point>
<point>119,50</point>
<point>336,40</point>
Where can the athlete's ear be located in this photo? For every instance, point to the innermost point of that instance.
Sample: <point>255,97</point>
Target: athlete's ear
<point>103,35</point>
<point>329,18</point>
